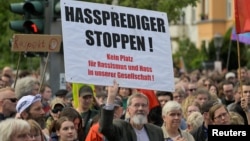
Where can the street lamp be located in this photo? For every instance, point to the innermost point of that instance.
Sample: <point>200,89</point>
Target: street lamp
<point>218,40</point>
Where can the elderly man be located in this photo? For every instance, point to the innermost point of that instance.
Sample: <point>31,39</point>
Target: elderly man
<point>137,128</point>
<point>8,103</point>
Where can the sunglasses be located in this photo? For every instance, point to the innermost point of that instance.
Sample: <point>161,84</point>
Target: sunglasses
<point>13,100</point>
<point>56,110</point>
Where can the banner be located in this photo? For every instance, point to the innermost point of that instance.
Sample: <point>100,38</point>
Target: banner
<point>242,16</point>
<point>243,38</point>
<point>105,42</point>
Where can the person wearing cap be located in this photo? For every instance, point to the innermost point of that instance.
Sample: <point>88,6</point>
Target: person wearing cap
<point>230,76</point>
<point>86,96</point>
<point>94,134</point>
<point>61,94</point>
<point>8,103</point>
<point>57,106</point>
<point>30,107</point>
<point>201,133</point>
<point>136,128</point>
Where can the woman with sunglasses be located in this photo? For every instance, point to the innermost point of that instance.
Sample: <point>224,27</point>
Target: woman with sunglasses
<point>57,105</point>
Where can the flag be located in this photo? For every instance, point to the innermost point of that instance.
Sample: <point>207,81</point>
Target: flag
<point>243,38</point>
<point>242,15</point>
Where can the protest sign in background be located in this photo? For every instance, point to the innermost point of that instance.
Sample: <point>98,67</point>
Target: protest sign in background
<point>105,42</point>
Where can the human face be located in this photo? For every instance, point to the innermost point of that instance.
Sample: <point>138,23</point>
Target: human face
<point>86,101</point>
<point>56,111</point>
<point>172,119</point>
<point>36,113</point>
<point>191,109</point>
<point>124,92</point>
<point>47,93</point>
<point>35,136</point>
<point>35,89</point>
<point>8,102</point>
<point>138,108</point>
<point>177,97</point>
<point>246,92</point>
<point>213,90</point>
<point>77,123</point>
<point>221,117</point>
<point>191,88</point>
<point>163,99</point>
<point>67,131</point>
<point>21,136</point>
<point>207,84</point>
<point>201,98</point>
<point>228,91</point>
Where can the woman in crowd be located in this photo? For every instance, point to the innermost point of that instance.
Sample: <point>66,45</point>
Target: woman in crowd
<point>194,120</point>
<point>76,118</point>
<point>64,129</point>
<point>219,114</point>
<point>14,130</point>
<point>172,115</point>
<point>35,131</point>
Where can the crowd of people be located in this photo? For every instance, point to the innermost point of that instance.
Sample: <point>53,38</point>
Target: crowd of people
<point>31,111</point>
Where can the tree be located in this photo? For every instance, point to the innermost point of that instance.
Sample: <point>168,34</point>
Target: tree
<point>173,8</point>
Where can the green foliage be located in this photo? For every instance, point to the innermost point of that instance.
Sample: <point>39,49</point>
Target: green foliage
<point>192,56</point>
<point>173,8</point>
<point>8,58</point>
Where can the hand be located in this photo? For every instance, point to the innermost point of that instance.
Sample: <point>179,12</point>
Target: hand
<point>244,104</point>
<point>113,90</point>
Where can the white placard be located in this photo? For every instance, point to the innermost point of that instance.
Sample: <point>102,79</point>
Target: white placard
<point>105,42</point>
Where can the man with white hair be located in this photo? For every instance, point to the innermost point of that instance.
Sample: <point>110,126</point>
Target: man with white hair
<point>137,128</point>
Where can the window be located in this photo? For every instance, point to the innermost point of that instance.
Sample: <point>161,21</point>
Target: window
<point>229,9</point>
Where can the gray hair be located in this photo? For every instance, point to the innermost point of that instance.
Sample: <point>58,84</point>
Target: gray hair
<point>171,106</point>
<point>10,127</point>
<point>138,95</point>
<point>24,86</point>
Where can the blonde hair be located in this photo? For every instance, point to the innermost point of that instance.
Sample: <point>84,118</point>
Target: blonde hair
<point>36,128</point>
<point>195,120</point>
<point>236,119</point>
<point>10,127</point>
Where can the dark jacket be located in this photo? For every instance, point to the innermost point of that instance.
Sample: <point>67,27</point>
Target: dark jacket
<point>121,130</point>
<point>199,133</point>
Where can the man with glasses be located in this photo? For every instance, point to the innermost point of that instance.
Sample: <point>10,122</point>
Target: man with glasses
<point>136,128</point>
<point>8,103</point>
<point>86,97</point>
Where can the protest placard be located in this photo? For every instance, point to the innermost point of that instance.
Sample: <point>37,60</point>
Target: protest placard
<point>106,42</point>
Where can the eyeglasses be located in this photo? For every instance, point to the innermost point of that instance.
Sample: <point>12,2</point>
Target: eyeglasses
<point>221,115</point>
<point>13,100</point>
<point>140,105</point>
<point>194,89</point>
<point>56,110</point>
<point>207,85</point>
